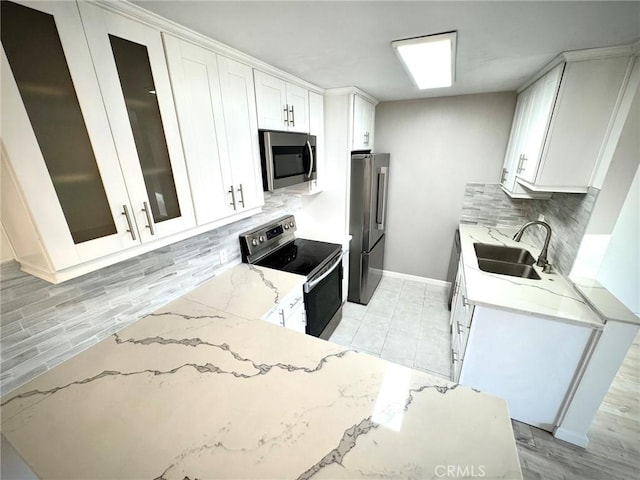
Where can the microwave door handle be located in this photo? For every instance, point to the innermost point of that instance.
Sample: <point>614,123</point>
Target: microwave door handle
<point>382,198</point>
<point>312,160</point>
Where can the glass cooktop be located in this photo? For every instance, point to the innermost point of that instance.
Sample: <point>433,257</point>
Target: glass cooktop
<point>301,256</point>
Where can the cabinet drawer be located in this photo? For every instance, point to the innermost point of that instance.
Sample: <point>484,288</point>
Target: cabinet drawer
<point>279,313</point>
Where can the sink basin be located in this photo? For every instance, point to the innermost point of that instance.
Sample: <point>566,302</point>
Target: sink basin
<point>512,261</point>
<point>507,268</point>
<point>488,251</point>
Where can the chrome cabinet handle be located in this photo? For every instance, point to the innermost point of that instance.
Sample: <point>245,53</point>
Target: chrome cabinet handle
<point>459,328</point>
<point>504,175</point>
<point>454,357</point>
<point>233,197</point>
<point>291,305</point>
<point>293,118</point>
<point>128,217</point>
<point>521,162</point>
<point>147,212</point>
<point>241,199</point>
<point>282,317</point>
<point>464,301</point>
<point>286,115</point>
<point>312,160</point>
<point>366,138</point>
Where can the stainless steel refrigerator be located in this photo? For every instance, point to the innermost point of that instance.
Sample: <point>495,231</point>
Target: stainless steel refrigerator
<point>367,222</point>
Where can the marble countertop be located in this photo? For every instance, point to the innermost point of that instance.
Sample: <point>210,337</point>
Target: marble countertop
<point>604,302</point>
<point>192,391</point>
<point>246,290</point>
<point>553,296</point>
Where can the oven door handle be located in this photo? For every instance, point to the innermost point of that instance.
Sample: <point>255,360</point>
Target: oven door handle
<point>311,285</point>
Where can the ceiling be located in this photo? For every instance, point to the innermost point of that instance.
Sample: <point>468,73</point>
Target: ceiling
<point>344,43</point>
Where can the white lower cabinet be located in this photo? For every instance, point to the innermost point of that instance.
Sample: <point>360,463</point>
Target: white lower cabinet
<point>289,312</point>
<point>216,111</point>
<point>461,315</point>
<point>529,361</point>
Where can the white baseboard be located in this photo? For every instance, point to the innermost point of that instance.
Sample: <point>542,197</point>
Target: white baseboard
<point>416,278</point>
<point>571,437</point>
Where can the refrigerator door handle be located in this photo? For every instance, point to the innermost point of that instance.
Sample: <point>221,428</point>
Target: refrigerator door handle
<point>382,198</point>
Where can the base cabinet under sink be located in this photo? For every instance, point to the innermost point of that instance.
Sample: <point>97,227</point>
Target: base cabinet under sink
<point>529,361</point>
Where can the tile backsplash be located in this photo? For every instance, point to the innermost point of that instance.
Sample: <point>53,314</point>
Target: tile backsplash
<point>44,324</point>
<point>567,213</point>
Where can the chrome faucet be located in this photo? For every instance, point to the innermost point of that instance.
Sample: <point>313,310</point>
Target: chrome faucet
<point>542,259</point>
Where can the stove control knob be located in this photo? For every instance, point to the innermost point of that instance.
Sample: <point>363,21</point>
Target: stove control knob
<point>286,226</point>
<point>261,239</point>
<point>254,242</point>
<point>291,224</point>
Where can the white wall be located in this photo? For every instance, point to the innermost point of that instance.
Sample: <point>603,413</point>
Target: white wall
<point>615,188</point>
<point>323,216</point>
<point>620,269</point>
<point>437,145</point>
<point>6,252</point>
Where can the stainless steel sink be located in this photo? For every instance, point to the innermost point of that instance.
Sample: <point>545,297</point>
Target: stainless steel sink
<point>503,254</point>
<point>507,268</point>
<point>512,261</point>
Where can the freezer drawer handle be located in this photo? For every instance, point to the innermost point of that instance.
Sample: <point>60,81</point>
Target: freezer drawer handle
<point>382,198</point>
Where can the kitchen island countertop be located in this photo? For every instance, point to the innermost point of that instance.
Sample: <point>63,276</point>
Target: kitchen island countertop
<point>192,391</point>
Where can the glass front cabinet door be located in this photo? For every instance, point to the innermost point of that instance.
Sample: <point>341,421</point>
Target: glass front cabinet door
<point>132,72</point>
<point>57,148</point>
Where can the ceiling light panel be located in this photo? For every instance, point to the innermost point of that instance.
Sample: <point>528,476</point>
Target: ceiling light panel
<point>429,60</point>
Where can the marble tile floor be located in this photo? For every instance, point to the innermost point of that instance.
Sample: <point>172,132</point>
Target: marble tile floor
<point>405,322</point>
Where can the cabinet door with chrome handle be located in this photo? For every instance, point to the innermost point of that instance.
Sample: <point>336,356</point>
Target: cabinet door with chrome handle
<point>58,144</point>
<point>131,67</point>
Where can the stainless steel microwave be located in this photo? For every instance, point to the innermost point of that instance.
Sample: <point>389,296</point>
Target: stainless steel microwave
<point>287,159</point>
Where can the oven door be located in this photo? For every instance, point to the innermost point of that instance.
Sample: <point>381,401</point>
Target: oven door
<point>287,159</point>
<point>323,299</point>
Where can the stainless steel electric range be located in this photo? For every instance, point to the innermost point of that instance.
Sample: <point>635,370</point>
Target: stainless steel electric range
<point>274,245</point>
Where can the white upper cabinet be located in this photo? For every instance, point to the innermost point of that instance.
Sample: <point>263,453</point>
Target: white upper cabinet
<point>196,87</point>
<point>129,59</point>
<point>363,123</point>
<point>62,183</point>
<point>216,112</point>
<point>119,143</point>
<point>281,105</point>
<point>241,125</point>
<point>562,125</point>
<point>530,124</point>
